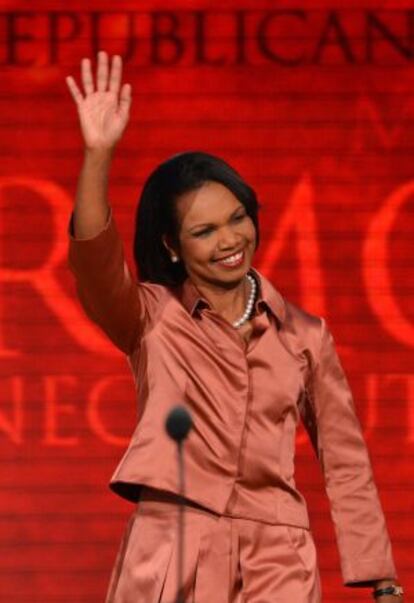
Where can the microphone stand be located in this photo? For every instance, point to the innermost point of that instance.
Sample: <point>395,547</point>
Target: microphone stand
<point>178,424</point>
<point>180,527</point>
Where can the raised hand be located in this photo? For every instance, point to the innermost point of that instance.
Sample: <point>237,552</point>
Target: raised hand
<point>103,109</point>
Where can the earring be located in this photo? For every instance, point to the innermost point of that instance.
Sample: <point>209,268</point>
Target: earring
<point>174,258</point>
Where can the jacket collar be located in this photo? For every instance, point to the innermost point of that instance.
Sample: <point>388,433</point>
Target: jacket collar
<point>268,296</point>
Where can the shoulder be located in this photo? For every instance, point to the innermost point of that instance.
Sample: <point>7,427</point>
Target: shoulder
<point>157,298</point>
<point>300,319</point>
<point>153,291</point>
<point>300,330</point>
<point>154,298</point>
<point>303,332</point>
<point>291,316</point>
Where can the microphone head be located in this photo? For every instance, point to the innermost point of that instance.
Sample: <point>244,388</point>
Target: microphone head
<point>178,423</point>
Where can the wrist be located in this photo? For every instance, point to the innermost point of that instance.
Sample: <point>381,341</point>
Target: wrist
<point>98,154</point>
<point>383,583</point>
<point>387,590</point>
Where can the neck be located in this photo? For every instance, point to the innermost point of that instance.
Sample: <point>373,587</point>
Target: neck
<point>229,302</point>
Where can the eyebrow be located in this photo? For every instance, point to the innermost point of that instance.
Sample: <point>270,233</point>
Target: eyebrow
<point>211,224</point>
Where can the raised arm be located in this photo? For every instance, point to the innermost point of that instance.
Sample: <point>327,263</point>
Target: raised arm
<point>109,295</point>
<point>103,112</point>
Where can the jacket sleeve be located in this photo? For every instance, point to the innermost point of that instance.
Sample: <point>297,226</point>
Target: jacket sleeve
<point>104,285</point>
<point>359,523</point>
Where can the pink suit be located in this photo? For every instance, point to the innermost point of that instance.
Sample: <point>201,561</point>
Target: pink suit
<point>246,401</point>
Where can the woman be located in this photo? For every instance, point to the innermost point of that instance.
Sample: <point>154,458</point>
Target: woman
<point>203,327</point>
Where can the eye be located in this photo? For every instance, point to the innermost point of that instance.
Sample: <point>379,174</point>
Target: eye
<point>202,233</point>
<point>239,217</point>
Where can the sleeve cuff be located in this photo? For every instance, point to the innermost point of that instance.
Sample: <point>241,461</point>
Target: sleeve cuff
<point>365,572</point>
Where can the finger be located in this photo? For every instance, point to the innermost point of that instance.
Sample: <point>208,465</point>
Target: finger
<point>87,79</point>
<point>125,100</point>
<point>102,73</point>
<point>74,90</point>
<point>116,74</point>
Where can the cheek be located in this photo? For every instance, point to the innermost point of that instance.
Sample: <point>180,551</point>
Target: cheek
<point>197,250</point>
<point>250,232</point>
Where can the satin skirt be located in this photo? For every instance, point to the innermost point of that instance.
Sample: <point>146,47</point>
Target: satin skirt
<point>226,559</point>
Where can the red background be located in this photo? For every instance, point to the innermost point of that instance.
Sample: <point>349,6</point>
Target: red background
<point>317,114</point>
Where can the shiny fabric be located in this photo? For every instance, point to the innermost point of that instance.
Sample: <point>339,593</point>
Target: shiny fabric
<point>246,401</point>
<point>226,559</point>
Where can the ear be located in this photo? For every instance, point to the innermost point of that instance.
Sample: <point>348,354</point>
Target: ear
<point>168,245</point>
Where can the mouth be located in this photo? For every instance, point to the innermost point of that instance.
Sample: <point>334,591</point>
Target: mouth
<point>231,261</point>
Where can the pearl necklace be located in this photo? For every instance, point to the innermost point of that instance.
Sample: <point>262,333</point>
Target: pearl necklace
<point>249,306</point>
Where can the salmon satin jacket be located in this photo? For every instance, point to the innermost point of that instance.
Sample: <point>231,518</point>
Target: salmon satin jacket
<point>246,400</point>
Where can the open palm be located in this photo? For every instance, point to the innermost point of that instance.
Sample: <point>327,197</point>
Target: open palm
<point>103,109</point>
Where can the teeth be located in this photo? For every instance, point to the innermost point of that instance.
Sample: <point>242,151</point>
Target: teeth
<point>233,258</point>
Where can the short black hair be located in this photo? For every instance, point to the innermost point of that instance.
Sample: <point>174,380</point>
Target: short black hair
<point>156,214</point>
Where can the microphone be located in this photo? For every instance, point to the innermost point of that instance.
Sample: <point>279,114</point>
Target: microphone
<point>178,425</point>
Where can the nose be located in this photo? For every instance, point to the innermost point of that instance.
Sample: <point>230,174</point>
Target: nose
<point>228,239</point>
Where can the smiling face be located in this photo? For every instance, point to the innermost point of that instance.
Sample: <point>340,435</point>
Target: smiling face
<point>217,238</point>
